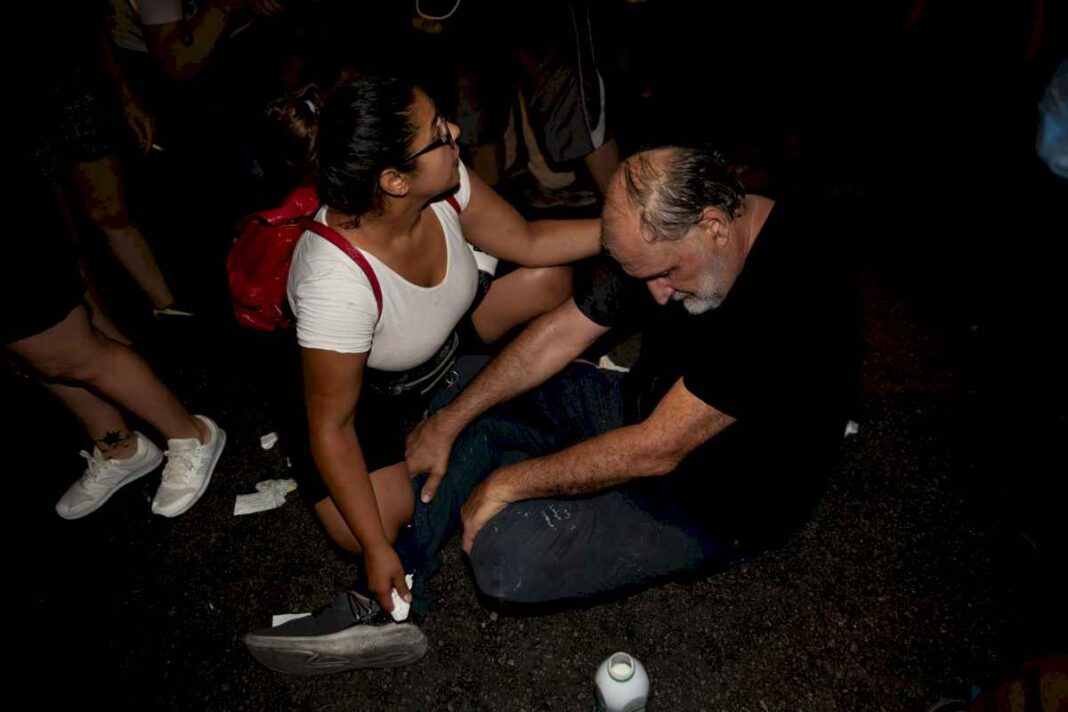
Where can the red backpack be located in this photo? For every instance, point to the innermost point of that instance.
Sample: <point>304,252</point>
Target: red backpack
<point>258,263</point>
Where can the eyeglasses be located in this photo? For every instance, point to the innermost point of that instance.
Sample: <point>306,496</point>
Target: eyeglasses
<point>444,139</point>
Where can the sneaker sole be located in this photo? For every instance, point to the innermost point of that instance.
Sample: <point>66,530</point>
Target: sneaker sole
<point>392,645</point>
<point>221,434</point>
<point>101,502</point>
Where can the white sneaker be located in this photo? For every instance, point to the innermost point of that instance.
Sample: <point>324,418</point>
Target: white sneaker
<point>188,471</point>
<point>102,478</point>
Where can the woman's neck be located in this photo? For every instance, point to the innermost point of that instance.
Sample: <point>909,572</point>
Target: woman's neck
<point>394,225</point>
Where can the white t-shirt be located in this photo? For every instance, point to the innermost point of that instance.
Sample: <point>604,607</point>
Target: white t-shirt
<point>335,308</point>
<point>128,18</point>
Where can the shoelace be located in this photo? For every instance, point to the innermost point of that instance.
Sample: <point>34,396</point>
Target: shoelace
<point>184,461</point>
<point>97,468</point>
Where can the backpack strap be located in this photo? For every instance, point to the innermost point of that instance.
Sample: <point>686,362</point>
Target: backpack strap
<point>345,246</point>
<point>302,202</point>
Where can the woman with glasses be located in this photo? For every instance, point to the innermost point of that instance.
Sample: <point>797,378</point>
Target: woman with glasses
<point>388,172</point>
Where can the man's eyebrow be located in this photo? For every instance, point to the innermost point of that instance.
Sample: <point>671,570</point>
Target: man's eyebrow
<point>658,275</point>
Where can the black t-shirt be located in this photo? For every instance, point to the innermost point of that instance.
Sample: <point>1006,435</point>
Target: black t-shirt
<point>780,354</point>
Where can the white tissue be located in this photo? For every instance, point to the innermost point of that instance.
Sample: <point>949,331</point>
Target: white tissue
<point>610,365</point>
<point>400,606</point>
<point>270,494</point>
<point>851,428</point>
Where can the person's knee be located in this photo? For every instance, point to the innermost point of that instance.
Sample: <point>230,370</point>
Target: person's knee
<point>505,570</point>
<point>81,363</point>
<point>495,572</point>
<point>108,214</point>
<point>553,283</point>
<point>338,531</point>
<point>101,186</point>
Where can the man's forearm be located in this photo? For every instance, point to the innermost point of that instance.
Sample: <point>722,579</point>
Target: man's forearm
<point>607,460</point>
<point>656,446</point>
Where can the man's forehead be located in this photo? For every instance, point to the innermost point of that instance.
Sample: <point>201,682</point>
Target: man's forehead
<point>636,255</point>
<point>619,214</point>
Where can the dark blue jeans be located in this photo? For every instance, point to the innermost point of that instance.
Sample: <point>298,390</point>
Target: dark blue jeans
<point>554,549</point>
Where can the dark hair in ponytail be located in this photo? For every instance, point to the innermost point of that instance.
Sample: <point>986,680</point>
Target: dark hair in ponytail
<point>345,139</point>
<point>295,119</point>
<point>365,127</point>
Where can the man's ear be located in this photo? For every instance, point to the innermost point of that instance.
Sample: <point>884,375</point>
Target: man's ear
<point>715,223</point>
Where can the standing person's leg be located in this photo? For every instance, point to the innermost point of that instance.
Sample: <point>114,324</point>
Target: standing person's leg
<point>101,321</point>
<point>101,185</point>
<point>98,317</point>
<point>102,421</point>
<point>565,94</point>
<point>73,351</point>
<point>120,456</point>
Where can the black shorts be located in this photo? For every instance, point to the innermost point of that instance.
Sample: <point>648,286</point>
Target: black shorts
<point>81,123</point>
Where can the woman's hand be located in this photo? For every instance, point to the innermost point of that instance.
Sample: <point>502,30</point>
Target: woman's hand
<point>385,573</point>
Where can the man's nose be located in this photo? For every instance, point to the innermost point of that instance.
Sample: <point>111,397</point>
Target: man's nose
<point>661,291</point>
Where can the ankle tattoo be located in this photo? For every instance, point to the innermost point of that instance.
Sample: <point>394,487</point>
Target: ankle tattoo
<point>113,440</point>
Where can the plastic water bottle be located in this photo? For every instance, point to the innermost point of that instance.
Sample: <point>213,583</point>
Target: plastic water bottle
<point>622,684</point>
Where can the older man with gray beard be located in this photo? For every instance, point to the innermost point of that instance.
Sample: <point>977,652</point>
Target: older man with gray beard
<point>579,481</point>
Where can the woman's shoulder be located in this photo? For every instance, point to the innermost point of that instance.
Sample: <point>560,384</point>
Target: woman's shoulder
<point>318,262</point>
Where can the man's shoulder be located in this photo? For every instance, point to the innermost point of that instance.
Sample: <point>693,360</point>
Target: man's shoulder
<point>603,291</point>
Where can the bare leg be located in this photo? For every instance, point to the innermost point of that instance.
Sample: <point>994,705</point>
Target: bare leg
<point>393,491</point>
<point>101,420</point>
<point>518,297</point>
<point>101,185</point>
<point>73,351</point>
<point>99,318</point>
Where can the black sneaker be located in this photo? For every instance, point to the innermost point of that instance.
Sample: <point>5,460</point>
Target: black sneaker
<point>351,632</point>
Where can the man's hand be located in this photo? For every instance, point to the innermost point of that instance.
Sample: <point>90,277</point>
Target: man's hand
<point>385,573</point>
<point>428,448</point>
<point>484,503</point>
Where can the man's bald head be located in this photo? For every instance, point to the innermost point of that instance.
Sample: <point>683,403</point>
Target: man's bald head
<point>670,188</point>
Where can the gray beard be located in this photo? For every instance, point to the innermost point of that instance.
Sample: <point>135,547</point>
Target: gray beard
<point>706,299</point>
<point>700,303</point>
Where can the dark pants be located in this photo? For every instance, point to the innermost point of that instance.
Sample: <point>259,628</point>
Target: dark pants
<point>554,549</point>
